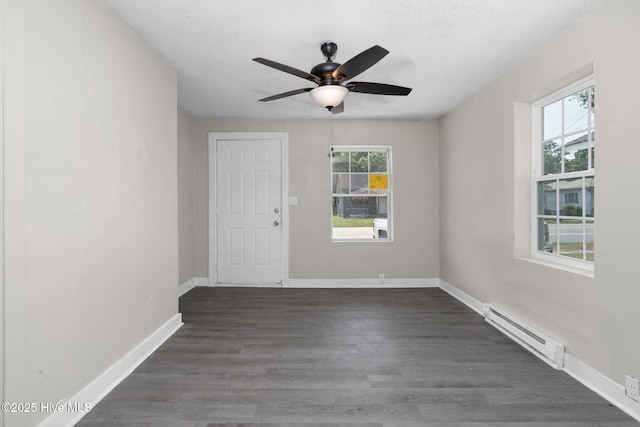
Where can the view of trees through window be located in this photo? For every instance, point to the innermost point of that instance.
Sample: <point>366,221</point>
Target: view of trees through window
<point>569,152</point>
<point>361,193</point>
<point>566,179</point>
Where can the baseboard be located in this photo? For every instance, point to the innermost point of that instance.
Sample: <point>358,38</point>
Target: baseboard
<point>592,379</point>
<point>464,298</point>
<point>328,283</point>
<point>101,386</point>
<point>186,286</point>
<point>192,283</point>
<point>602,385</point>
<point>201,281</point>
<point>361,283</point>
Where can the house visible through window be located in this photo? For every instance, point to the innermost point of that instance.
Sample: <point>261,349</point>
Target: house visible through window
<point>571,198</point>
<point>564,175</point>
<point>361,193</point>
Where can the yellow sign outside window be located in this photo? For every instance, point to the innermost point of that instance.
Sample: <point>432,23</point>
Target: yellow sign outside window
<point>378,182</point>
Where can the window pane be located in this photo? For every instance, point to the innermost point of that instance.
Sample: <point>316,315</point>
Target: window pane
<point>340,183</point>
<point>593,149</point>
<point>359,162</point>
<point>576,111</point>
<point>546,234</point>
<point>576,153</point>
<point>552,157</point>
<point>593,105</point>
<point>571,238</point>
<point>552,120</point>
<point>377,161</point>
<point>379,183</point>
<point>589,239</point>
<point>592,123</point>
<point>359,183</point>
<point>354,217</point>
<point>589,205</point>
<point>340,162</point>
<point>547,198</point>
<point>570,197</point>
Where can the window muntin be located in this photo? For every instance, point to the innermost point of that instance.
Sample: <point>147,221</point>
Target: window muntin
<point>564,176</point>
<point>361,193</point>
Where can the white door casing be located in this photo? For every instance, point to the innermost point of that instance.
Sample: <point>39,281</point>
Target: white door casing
<point>248,219</point>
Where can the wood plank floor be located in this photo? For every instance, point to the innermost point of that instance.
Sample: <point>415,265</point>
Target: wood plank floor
<point>344,357</point>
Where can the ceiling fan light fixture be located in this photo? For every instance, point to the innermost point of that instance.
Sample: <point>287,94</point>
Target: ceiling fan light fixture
<point>329,96</point>
<point>332,78</point>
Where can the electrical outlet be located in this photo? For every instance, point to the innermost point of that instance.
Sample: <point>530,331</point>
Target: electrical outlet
<point>631,388</point>
<point>381,278</point>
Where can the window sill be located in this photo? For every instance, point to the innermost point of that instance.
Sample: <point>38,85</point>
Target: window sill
<point>562,267</point>
<point>361,240</point>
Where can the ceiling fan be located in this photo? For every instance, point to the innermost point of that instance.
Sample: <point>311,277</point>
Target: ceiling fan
<point>330,76</point>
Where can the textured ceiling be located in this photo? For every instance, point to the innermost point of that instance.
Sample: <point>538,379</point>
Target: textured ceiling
<point>444,49</point>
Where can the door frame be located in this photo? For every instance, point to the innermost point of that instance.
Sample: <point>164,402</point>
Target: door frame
<point>214,137</point>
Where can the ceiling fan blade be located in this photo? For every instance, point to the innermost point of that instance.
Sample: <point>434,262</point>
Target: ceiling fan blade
<point>285,94</point>
<point>359,63</point>
<point>287,69</point>
<point>338,108</point>
<point>378,88</point>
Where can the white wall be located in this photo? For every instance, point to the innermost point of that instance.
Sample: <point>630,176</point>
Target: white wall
<point>90,196</point>
<point>4,132</point>
<point>186,261</point>
<point>485,194</point>
<point>414,251</point>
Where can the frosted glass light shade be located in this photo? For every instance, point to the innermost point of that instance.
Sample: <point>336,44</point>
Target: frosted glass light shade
<point>329,96</point>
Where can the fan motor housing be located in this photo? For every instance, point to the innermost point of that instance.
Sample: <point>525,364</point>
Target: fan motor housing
<point>325,70</point>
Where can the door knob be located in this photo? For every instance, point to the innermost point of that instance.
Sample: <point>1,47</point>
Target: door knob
<point>276,210</point>
<point>276,223</point>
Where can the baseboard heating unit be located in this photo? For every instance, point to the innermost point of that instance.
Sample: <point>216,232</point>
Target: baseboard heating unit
<point>542,346</point>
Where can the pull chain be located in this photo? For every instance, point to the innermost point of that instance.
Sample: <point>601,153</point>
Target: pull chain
<point>331,147</point>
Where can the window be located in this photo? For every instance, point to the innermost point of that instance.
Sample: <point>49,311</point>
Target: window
<point>361,193</point>
<point>571,198</point>
<point>564,176</point>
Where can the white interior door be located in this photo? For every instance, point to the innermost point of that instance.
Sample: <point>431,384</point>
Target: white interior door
<point>249,211</point>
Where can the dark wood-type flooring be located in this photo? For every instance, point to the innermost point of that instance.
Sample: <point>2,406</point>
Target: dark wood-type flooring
<point>344,357</point>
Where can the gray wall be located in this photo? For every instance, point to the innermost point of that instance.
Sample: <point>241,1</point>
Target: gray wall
<point>485,194</point>
<point>90,196</point>
<point>186,128</point>
<point>414,251</point>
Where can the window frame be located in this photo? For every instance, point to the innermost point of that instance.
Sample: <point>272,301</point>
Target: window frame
<point>538,170</point>
<point>388,195</point>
